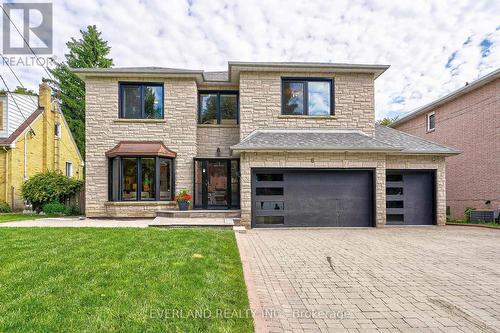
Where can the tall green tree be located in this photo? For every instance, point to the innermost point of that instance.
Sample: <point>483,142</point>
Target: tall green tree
<point>90,51</point>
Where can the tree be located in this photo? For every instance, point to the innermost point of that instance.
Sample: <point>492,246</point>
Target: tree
<point>387,121</point>
<point>90,51</point>
<point>19,90</point>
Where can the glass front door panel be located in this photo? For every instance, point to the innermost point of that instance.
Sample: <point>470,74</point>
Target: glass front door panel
<point>217,183</point>
<point>198,183</point>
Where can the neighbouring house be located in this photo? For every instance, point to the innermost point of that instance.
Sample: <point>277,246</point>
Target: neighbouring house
<point>34,137</point>
<point>289,144</point>
<point>469,120</point>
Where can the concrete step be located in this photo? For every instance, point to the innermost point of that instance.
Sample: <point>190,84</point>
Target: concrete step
<point>233,213</point>
<point>173,222</point>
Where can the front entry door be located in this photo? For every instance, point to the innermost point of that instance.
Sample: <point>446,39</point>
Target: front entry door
<point>216,184</point>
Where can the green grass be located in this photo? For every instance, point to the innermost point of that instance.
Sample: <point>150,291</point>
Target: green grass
<point>491,224</point>
<point>10,217</point>
<point>121,280</point>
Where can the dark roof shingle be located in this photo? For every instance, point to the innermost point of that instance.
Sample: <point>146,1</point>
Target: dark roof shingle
<point>384,140</point>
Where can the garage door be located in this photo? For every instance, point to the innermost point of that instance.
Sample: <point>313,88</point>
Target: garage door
<point>312,198</point>
<point>410,197</point>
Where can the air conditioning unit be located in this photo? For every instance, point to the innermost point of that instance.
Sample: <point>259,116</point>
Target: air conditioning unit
<point>483,216</point>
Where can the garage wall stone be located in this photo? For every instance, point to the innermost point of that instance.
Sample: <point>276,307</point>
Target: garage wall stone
<point>104,130</point>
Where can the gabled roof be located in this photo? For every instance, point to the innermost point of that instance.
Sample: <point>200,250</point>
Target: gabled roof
<point>450,97</point>
<point>385,140</point>
<point>234,69</point>
<point>20,130</point>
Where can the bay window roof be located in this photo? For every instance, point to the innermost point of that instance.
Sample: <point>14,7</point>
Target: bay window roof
<point>141,148</point>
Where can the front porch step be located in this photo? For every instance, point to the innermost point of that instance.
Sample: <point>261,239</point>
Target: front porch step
<point>176,222</point>
<point>233,213</point>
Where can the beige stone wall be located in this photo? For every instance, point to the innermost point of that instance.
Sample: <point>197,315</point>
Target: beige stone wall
<point>136,209</point>
<point>379,162</point>
<point>211,137</point>
<point>260,103</point>
<point>104,130</point>
<point>430,163</point>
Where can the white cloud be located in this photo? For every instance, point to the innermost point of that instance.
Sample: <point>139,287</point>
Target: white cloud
<point>417,38</point>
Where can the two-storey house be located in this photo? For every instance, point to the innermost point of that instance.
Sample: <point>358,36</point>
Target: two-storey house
<point>290,144</point>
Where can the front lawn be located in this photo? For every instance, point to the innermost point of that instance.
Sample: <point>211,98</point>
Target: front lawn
<point>491,224</point>
<point>10,217</point>
<point>127,280</point>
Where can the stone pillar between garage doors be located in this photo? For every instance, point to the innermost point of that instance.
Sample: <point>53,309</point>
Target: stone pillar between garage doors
<point>380,212</point>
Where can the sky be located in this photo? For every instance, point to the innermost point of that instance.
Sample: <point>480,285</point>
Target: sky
<point>433,47</point>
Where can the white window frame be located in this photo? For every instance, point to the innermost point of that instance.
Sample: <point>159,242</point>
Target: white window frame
<point>428,122</point>
<point>70,173</point>
<point>58,130</point>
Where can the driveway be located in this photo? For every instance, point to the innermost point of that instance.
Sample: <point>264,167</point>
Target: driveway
<point>415,279</point>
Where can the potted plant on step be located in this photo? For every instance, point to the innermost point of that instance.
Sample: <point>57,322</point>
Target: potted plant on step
<point>183,199</point>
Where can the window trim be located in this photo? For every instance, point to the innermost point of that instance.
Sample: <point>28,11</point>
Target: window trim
<point>58,130</point>
<point>217,111</point>
<point>305,81</point>
<point>141,85</point>
<point>428,122</point>
<point>139,178</point>
<point>70,164</point>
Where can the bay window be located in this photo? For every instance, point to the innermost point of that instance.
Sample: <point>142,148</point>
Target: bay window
<point>141,178</point>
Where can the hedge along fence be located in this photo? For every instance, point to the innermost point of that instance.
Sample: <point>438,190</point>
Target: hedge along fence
<point>50,186</point>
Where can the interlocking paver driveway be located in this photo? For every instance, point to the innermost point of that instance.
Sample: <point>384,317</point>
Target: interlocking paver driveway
<point>442,279</point>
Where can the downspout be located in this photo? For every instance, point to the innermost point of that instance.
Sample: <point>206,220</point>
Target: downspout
<point>25,153</point>
<point>6,175</point>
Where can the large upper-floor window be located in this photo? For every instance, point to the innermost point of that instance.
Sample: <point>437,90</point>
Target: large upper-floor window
<point>143,178</point>
<point>310,96</point>
<point>218,107</point>
<point>141,100</point>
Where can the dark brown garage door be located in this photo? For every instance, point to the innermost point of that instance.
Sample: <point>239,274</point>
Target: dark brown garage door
<point>312,198</point>
<point>410,197</point>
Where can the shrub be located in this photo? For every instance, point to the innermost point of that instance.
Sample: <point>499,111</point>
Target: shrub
<point>4,207</point>
<point>55,208</point>
<point>73,210</point>
<point>48,187</point>
<point>467,213</point>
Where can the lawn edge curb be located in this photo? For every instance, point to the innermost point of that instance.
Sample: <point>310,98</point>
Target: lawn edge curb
<point>260,324</point>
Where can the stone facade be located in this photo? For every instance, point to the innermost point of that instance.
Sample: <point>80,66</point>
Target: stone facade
<point>471,124</point>
<point>104,130</point>
<point>260,103</point>
<point>211,137</point>
<point>260,108</point>
<point>379,162</point>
